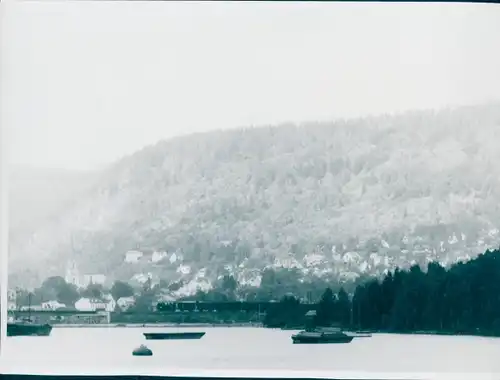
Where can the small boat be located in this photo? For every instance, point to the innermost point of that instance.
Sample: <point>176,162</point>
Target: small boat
<point>23,328</point>
<point>321,336</point>
<point>174,335</point>
<point>26,326</point>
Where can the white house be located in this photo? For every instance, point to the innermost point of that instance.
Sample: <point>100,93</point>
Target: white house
<point>107,303</point>
<point>125,303</point>
<point>133,256</point>
<point>351,257</point>
<point>184,269</point>
<point>141,278</point>
<point>52,305</point>
<point>86,304</point>
<point>158,256</point>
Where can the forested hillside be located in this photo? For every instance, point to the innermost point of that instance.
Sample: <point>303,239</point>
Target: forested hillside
<point>331,199</point>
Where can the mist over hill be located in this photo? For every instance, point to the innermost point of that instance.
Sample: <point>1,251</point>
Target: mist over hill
<point>331,199</point>
<point>39,195</point>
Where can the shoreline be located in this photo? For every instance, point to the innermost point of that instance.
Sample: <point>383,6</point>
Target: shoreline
<point>435,333</point>
<point>142,325</point>
<point>254,325</point>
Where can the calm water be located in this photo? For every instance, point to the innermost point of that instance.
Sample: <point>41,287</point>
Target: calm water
<point>109,349</point>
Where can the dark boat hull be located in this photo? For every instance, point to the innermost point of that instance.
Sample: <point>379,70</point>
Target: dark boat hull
<point>174,336</point>
<point>322,336</point>
<point>27,329</point>
<point>321,340</point>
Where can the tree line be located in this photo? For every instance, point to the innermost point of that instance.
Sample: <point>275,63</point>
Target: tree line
<point>463,299</point>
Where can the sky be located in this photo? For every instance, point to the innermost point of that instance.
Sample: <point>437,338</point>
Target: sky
<point>85,83</point>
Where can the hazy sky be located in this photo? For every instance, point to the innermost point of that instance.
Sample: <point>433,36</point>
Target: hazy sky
<point>84,83</point>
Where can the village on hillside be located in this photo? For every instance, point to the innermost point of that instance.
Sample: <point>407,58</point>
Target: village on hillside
<point>100,302</point>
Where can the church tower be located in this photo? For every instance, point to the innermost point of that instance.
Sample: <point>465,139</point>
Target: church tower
<point>72,274</point>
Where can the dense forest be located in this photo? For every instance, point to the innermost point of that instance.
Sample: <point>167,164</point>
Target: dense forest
<point>335,200</point>
<point>463,299</point>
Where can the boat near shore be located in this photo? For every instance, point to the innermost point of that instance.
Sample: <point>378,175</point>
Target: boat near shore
<point>323,335</point>
<point>26,326</point>
<point>23,328</point>
<point>318,337</point>
<point>174,335</point>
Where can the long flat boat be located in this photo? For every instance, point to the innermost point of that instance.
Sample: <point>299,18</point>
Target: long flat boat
<point>321,336</point>
<point>28,329</point>
<point>174,335</point>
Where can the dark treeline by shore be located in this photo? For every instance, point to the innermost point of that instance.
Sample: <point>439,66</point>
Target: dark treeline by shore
<point>463,299</point>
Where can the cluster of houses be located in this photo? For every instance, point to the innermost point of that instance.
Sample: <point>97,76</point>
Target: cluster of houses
<point>105,303</point>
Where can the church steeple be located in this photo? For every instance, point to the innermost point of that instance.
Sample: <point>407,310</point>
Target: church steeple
<point>72,274</point>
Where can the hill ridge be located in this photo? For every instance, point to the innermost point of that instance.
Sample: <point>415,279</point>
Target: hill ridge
<point>258,196</point>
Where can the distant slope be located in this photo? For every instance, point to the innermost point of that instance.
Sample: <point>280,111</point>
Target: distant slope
<point>38,196</point>
<point>334,199</point>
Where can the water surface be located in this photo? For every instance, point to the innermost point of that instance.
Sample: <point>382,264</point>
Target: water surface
<point>110,349</point>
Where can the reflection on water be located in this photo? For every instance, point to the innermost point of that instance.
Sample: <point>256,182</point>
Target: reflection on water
<point>247,349</point>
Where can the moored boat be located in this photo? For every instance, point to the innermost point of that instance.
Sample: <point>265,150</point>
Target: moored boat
<point>28,329</point>
<point>26,326</point>
<point>321,336</point>
<point>174,335</point>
